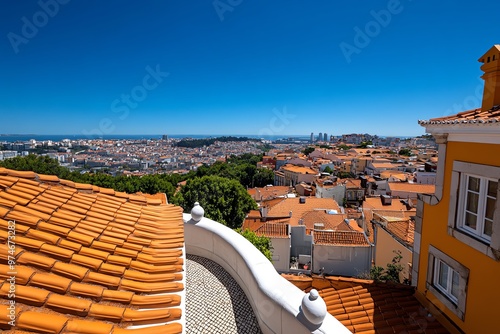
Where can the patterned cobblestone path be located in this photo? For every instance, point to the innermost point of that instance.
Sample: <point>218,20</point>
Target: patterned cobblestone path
<point>215,303</point>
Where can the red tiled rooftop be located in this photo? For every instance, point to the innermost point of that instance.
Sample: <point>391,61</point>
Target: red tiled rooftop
<point>364,306</point>
<point>273,230</point>
<point>473,116</point>
<point>298,210</point>
<point>88,259</point>
<point>340,238</point>
<point>412,187</point>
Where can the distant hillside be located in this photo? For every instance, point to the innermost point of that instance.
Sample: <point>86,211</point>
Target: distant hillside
<point>193,143</point>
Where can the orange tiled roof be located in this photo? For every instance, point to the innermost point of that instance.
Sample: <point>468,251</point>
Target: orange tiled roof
<point>340,238</point>
<point>287,205</point>
<point>87,259</point>
<point>473,116</point>
<point>352,183</point>
<point>404,230</point>
<point>299,169</point>
<point>412,187</point>
<point>399,223</point>
<point>267,193</point>
<point>330,222</point>
<point>273,230</point>
<point>366,307</point>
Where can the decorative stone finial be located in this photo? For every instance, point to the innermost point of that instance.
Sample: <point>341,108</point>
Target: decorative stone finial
<point>197,212</point>
<point>314,307</point>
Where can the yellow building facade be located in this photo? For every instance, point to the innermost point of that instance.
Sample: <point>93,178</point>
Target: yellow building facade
<point>456,260</point>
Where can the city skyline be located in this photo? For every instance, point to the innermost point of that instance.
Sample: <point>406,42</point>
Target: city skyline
<point>239,68</point>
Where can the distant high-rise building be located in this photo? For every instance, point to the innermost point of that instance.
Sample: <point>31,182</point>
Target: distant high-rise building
<point>164,137</point>
<point>332,138</point>
<point>325,137</point>
<point>320,137</point>
<point>312,137</point>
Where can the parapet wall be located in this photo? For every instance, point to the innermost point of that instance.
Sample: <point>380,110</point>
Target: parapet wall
<point>277,303</point>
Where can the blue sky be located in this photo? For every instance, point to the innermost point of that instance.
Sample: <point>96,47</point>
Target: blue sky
<point>239,66</point>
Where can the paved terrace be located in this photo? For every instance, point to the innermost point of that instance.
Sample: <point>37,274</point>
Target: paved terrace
<point>215,303</point>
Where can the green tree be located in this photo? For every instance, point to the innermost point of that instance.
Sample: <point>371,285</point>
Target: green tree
<point>405,152</point>
<point>365,144</point>
<point>328,170</point>
<point>263,177</point>
<point>41,164</point>
<point>345,175</point>
<point>390,273</point>
<point>223,199</point>
<point>308,150</point>
<point>262,243</point>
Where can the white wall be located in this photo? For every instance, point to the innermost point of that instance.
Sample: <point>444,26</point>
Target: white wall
<point>281,254</point>
<point>425,177</point>
<point>275,301</point>
<point>337,193</point>
<point>341,260</point>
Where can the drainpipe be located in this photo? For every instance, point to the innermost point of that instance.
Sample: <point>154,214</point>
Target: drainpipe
<point>374,226</point>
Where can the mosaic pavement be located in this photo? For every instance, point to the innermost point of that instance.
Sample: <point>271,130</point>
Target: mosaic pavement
<point>215,303</point>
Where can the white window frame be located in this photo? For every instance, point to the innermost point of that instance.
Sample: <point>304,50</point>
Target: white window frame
<point>455,304</point>
<point>489,246</point>
<point>446,290</point>
<point>482,200</point>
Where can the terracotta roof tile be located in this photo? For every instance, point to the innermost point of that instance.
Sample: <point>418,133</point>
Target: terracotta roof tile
<point>75,242</point>
<point>364,306</point>
<point>44,323</point>
<point>36,260</point>
<point>340,238</point>
<point>86,290</point>
<point>50,282</point>
<point>87,327</point>
<point>473,116</point>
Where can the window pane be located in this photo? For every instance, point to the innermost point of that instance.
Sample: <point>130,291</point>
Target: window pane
<point>454,284</point>
<point>488,227</point>
<point>474,183</point>
<point>443,275</point>
<point>471,220</point>
<point>490,208</point>
<point>472,201</point>
<point>492,188</point>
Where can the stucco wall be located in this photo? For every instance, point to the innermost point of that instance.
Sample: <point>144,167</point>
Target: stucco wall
<point>385,251</point>
<point>484,271</point>
<point>281,253</point>
<point>341,260</point>
<point>275,301</point>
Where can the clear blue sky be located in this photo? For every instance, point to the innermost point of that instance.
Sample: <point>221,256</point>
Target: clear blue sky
<point>239,66</point>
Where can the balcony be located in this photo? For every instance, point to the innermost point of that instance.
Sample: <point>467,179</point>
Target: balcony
<point>278,306</point>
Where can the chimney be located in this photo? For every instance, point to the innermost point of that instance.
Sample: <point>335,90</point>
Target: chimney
<point>386,199</point>
<point>319,226</point>
<point>491,77</point>
<point>263,211</point>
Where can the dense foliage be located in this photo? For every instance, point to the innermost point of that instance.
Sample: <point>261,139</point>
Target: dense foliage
<point>405,152</point>
<point>224,200</point>
<point>242,168</point>
<point>308,150</point>
<point>390,273</point>
<point>194,143</point>
<point>262,243</point>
